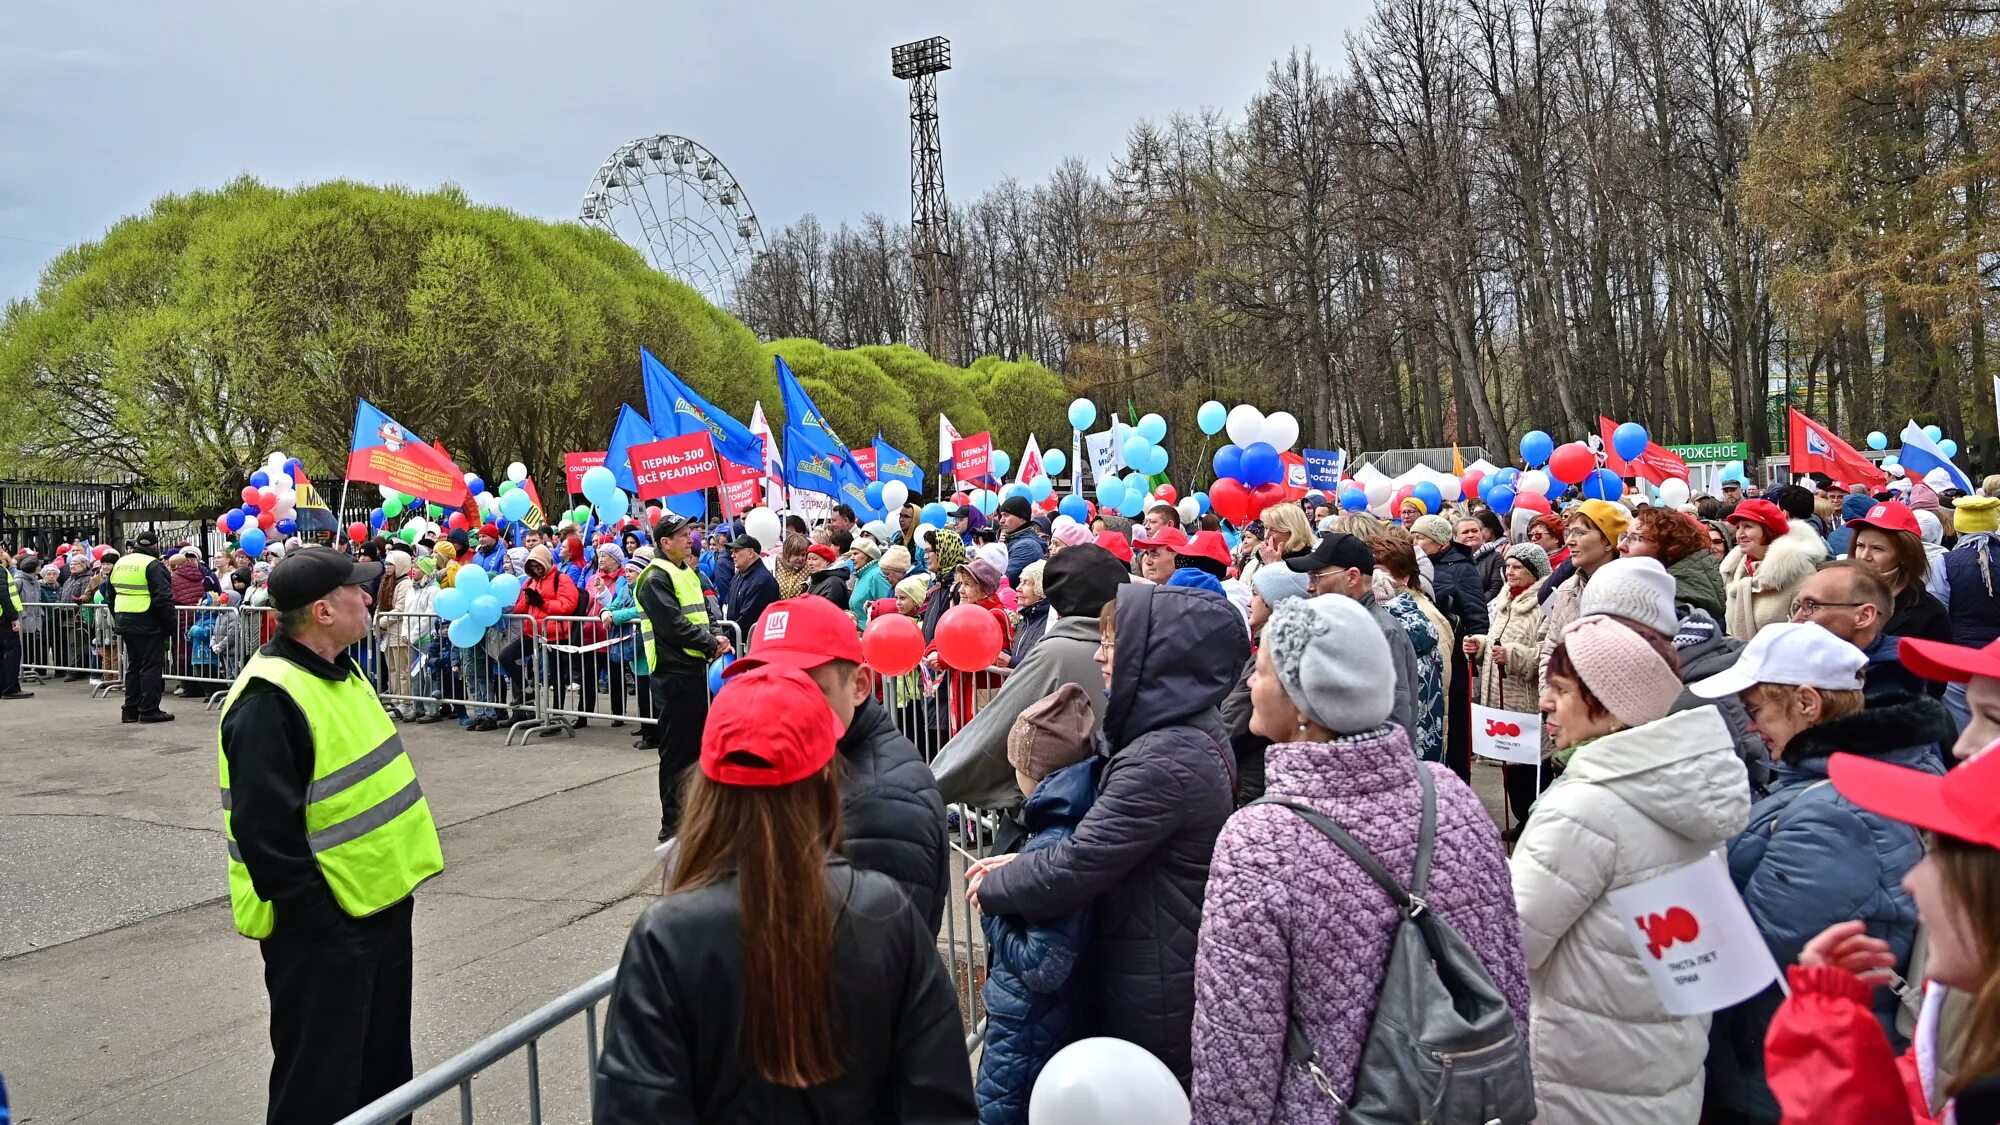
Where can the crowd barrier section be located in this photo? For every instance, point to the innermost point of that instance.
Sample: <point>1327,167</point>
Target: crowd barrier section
<point>59,641</point>
<point>415,666</point>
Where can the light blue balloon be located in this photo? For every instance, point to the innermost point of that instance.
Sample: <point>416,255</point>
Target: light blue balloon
<point>1135,448</point>
<point>1082,413</point>
<point>1133,503</point>
<point>1014,490</point>
<point>1891,461</point>
<point>1933,433</point>
<point>1878,440</point>
<point>451,604</point>
<point>1054,462</point>
<point>933,514</point>
<point>599,484</point>
<point>485,610</point>
<point>515,504</point>
<point>1153,427</point>
<point>1155,462</point>
<point>471,581</point>
<point>1001,463</point>
<point>466,632</point>
<point>614,507</point>
<point>1948,447</point>
<point>505,589</point>
<point>986,501</point>
<point>1212,417</point>
<point>1110,493</point>
<point>1041,489</point>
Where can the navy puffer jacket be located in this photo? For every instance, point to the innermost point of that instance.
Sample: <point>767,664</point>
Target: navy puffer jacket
<point>1810,858</point>
<point>1141,854</point>
<point>1460,592</point>
<point>1034,979</point>
<point>1974,572</point>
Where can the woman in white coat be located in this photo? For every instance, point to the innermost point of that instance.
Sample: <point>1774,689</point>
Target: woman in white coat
<point>1644,793</point>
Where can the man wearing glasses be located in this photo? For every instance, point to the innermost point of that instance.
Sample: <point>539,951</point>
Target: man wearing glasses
<point>1847,599</point>
<point>1344,566</point>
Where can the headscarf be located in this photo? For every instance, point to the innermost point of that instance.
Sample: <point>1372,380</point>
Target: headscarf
<point>950,554</point>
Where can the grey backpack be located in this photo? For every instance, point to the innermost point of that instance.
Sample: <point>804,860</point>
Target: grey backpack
<point>1443,1048</point>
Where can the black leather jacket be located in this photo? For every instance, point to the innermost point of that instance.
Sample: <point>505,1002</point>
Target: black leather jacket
<point>672,1035</point>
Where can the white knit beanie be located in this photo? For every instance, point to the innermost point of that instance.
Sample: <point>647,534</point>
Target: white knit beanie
<point>1437,529</point>
<point>1621,670</point>
<point>1636,589</point>
<point>1332,662</point>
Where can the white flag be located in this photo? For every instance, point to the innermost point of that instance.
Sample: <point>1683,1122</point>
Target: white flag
<point>1104,455</point>
<point>947,433</point>
<point>774,476</point>
<point>1031,462</point>
<point>1695,937</point>
<point>1507,736</point>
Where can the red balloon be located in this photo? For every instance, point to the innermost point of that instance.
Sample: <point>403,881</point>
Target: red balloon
<point>1229,498</point>
<point>458,521</point>
<point>961,499</point>
<point>969,638</point>
<point>1167,492</point>
<point>1470,483</point>
<point>1571,463</point>
<point>266,520</point>
<point>653,513</point>
<point>250,495</point>
<point>222,525</point>
<point>1264,496</point>
<point>1533,501</point>
<point>358,532</point>
<point>267,498</point>
<point>1396,500</point>
<point>894,644</point>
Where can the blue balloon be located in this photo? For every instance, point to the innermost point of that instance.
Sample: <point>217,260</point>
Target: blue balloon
<point>1229,463</point>
<point>933,514</point>
<point>234,518</point>
<point>1603,484</point>
<point>1211,418</point>
<point>1082,413</point>
<point>1506,476</point>
<point>486,610</point>
<point>1054,462</point>
<point>1075,507</point>
<point>1536,446</point>
<point>716,669</point>
<point>476,485</point>
<point>1014,490</point>
<point>377,517</point>
<point>1111,493</point>
<point>293,468</point>
<point>451,604</point>
<point>1501,499</point>
<point>687,505</point>
<point>515,504</point>
<point>1262,465</point>
<point>1153,427</point>
<point>288,527</point>
<point>472,580</point>
<point>260,479</point>
<point>874,494</point>
<point>1353,500</point>
<point>505,589</point>
<point>1429,494</point>
<point>1040,489</point>
<point>1630,440</point>
<point>1201,498</point>
<point>252,541</point>
<point>253,509</point>
<point>1155,462</point>
<point>1000,463</point>
<point>466,632</point>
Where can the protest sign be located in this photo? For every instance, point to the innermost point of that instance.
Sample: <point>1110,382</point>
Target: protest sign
<point>1104,455</point>
<point>1507,736</point>
<point>738,496</point>
<point>1695,937</point>
<point>1323,467</point>
<point>865,458</point>
<point>675,466</point>
<point>972,457</point>
<point>577,464</point>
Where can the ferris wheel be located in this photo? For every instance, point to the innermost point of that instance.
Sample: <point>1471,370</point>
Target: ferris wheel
<point>673,200</point>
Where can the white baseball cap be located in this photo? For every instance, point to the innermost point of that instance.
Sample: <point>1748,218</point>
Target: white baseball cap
<point>1803,655</point>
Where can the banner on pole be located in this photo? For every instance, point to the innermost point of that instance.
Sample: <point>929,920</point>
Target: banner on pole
<point>1507,736</point>
<point>972,458</point>
<point>1656,462</point>
<point>383,452</point>
<point>1323,468</point>
<point>1695,937</point>
<point>1104,455</point>
<point>577,464</point>
<point>865,458</point>
<point>676,465</point>
<point>738,496</point>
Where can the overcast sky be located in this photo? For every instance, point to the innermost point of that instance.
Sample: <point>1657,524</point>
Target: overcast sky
<point>108,105</point>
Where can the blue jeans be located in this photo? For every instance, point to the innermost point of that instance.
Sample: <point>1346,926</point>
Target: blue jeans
<point>477,669</point>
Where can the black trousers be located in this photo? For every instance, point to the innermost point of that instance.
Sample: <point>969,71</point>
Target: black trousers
<point>680,699</point>
<point>10,658</point>
<point>1519,783</point>
<point>340,1015</point>
<point>1458,717</point>
<point>145,673</point>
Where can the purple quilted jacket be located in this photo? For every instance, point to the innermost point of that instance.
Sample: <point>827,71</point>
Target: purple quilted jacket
<point>1290,923</point>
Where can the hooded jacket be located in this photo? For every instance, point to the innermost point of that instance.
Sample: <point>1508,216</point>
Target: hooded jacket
<point>1460,592</point>
<point>1630,805</point>
<point>1703,650</point>
<point>972,768</point>
<point>1810,858</point>
<point>1141,854</point>
<point>676,1015</point>
<point>1034,980</point>
<point>1292,924</point>
<point>551,595</point>
<point>1491,559</point>
<point>1765,597</point>
<point>891,819</point>
<point>1698,582</point>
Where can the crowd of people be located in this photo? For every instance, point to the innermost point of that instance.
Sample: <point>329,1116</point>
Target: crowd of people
<point>1223,766</point>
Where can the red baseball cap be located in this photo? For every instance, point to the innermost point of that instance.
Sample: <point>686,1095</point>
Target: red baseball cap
<point>801,633</point>
<point>1764,513</point>
<point>1168,536</point>
<point>772,727</point>
<point>1117,544</point>
<point>1964,803</point>
<point>1948,663</point>
<point>1890,517</point>
<point>1208,545</point>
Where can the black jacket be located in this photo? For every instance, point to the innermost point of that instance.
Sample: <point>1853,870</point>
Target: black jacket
<point>1141,853</point>
<point>892,818</point>
<point>751,592</point>
<point>1460,592</point>
<point>833,584</point>
<point>672,631</point>
<point>671,1035</point>
<point>158,620</point>
<point>1919,614</point>
<point>1492,563</point>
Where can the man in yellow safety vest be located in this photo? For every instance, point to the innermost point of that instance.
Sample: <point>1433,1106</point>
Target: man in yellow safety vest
<point>679,642</point>
<point>11,607</point>
<point>142,606</point>
<point>329,835</point>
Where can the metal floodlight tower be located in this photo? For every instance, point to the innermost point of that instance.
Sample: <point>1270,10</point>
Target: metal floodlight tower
<point>919,64</point>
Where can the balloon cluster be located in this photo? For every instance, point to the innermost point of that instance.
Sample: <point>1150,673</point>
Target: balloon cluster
<point>475,602</point>
<point>600,487</point>
<point>1249,472</point>
<point>269,505</point>
<point>1144,454</point>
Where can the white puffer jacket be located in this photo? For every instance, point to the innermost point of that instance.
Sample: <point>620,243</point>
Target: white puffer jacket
<point>1631,805</point>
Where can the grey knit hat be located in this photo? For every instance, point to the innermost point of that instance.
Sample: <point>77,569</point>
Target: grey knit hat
<point>1331,660</point>
<point>1280,583</point>
<point>1437,529</point>
<point>1532,557</point>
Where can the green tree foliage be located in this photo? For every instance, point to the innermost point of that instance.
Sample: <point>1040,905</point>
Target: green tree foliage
<point>189,341</point>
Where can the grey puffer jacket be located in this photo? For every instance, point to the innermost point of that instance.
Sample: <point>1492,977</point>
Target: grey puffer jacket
<point>972,768</point>
<point>1141,854</point>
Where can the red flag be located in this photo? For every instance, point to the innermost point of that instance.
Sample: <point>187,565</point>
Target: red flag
<point>1816,449</point>
<point>1657,464</point>
<point>1297,481</point>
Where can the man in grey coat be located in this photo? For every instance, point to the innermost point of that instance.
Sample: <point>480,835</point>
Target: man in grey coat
<point>1344,565</point>
<point>1079,582</point>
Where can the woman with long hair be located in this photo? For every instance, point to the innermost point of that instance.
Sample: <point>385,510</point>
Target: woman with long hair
<point>794,577</point>
<point>1888,541</point>
<point>774,981</point>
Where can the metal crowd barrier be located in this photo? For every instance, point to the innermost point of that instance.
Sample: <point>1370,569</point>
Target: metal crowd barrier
<point>58,639</point>
<point>415,666</point>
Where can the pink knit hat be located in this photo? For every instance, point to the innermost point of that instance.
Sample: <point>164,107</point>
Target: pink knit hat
<point>1073,535</point>
<point>1621,670</point>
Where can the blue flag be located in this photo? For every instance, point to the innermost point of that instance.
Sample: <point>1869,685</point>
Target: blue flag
<point>630,430</point>
<point>677,412</point>
<point>1920,455</point>
<point>892,464</point>
<point>815,457</point>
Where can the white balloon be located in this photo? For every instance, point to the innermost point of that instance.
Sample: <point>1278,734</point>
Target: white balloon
<point>1093,1081</point>
<point>517,472</point>
<point>1378,491</point>
<point>763,525</point>
<point>1281,430</point>
<point>276,460</point>
<point>1190,509</point>
<point>1450,487</point>
<point>1674,492</point>
<point>1535,481</point>
<point>387,492</point>
<point>1246,425</point>
<point>895,494</point>
<point>470,477</point>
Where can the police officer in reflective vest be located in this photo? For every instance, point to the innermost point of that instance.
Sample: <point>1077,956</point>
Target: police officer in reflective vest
<point>11,607</point>
<point>328,835</point>
<point>679,642</point>
<point>142,606</point>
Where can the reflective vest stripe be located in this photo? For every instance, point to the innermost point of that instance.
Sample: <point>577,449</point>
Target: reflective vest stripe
<point>356,771</point>
<point>128,583</point>
<point>359,825</point>
<point>13,592</point>
<point>235,852</point>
